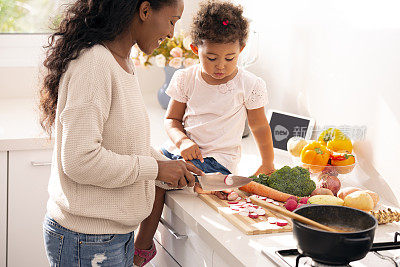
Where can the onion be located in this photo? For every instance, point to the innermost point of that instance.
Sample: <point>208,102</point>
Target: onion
<point>330,182</point>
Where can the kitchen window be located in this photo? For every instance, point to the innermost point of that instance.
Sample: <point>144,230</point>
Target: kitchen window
<point>24,28</point>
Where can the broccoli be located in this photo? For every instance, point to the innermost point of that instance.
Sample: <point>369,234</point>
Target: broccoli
<point>261,179</point>
<point>295,181</point>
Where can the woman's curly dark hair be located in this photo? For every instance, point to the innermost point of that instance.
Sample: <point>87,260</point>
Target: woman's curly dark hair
<point>84,24</point>
<point>219,22</point>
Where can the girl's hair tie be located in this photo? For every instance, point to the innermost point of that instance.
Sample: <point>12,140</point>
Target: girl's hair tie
<point>225,22</point>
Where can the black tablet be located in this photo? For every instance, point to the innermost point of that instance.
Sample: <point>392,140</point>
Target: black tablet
<point>286,125</point>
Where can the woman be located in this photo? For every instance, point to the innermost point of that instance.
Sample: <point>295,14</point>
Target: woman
<point>102,182</point>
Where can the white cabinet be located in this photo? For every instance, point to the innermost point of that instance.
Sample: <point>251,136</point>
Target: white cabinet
<point>3,207</point>
<point>219,261</point>
<point>183,244</point>
<point>28,176</point>
<point>162,258</point>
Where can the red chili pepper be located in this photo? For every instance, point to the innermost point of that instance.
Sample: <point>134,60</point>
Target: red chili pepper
<point>338,157</point>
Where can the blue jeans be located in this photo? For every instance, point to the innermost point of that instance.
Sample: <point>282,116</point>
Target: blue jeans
<point>71,249</point>
<point>209,165</point>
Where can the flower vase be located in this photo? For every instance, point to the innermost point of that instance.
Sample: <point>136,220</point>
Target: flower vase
<point>163,98</point>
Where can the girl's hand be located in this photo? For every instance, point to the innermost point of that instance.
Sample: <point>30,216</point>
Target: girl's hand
<point>190,150</point>
<point>265,169</point>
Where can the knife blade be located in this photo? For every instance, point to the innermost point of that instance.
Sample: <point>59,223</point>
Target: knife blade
<point>216,181</point>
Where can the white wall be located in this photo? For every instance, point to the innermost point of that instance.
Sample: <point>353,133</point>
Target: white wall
<point>338,62</point>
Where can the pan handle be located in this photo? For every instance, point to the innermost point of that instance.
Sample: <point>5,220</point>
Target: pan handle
<point>356,240</point>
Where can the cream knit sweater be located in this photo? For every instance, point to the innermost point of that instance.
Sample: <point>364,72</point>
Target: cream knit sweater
<point>103,170</point>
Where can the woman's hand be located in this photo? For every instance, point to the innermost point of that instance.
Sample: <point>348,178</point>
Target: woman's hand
<point>190,150</point>
<point>177,173</point>
<point>265,169</point>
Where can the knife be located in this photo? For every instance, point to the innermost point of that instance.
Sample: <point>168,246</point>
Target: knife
<point>218,181</point>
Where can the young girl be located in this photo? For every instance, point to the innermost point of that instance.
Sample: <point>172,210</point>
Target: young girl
<point>210,103</point>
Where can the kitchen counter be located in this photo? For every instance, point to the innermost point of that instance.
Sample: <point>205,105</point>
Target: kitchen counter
<point>19,130</point>
<point>236,248</point>
<point>19,126</point>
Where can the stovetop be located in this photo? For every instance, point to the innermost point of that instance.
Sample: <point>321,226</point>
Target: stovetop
<point>381,255</point>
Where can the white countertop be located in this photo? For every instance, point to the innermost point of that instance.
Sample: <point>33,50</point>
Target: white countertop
<point>19,130</point>
<point>19,126</point>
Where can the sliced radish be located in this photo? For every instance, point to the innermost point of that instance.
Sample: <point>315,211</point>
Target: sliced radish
<point>272,220</point>
<point>228,179</point>
<point>269,200</point>
<point>248,200</point>
<point>253,215</point>
<point>233,202</point>
<point>276,203</point>
<point>263,198</point>
<point>232,196</point>
<point>260,212</point>
<point>281,222</point>
<point>243,213</point>
<point>251,209</point>
<point>235,209</point>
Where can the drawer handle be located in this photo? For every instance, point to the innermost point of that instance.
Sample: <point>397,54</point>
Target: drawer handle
<point>172,231</point>
<point>40,163</point>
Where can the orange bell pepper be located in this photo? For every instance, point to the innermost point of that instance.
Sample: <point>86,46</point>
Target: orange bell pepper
<point>315,156</point>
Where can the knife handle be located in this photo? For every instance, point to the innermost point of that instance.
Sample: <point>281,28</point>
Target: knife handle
<point>196,179</point>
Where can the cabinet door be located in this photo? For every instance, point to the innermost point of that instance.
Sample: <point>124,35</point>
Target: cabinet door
<point>162,258</point>
<point>183,244</point>
<point>29,172</point>
<point>3,207</point>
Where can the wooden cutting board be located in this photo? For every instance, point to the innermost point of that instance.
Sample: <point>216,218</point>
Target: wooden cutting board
<point>246,224</point>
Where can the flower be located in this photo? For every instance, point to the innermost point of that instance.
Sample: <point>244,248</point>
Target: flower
<point>136,62</point>
<point>135,52</point>
<point>160,60</point>
<point>176,62</point>
<point>187,42</point>
<point>171,52</point>
<point>176,52</point>
<point>143,58</point>
<point>187,62</point>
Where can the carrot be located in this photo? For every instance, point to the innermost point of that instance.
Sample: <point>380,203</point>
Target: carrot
<point>265,191</point>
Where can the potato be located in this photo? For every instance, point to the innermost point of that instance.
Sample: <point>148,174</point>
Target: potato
<point>322,191</point>
<point>325,200</point>
<point>359,200</point>
<point>375,196</point>
<point>295,145</point>
<point>347,190</point>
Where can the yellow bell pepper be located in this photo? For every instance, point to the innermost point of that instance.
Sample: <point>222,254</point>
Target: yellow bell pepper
<point>335,140</point>
<point>315,156</point>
